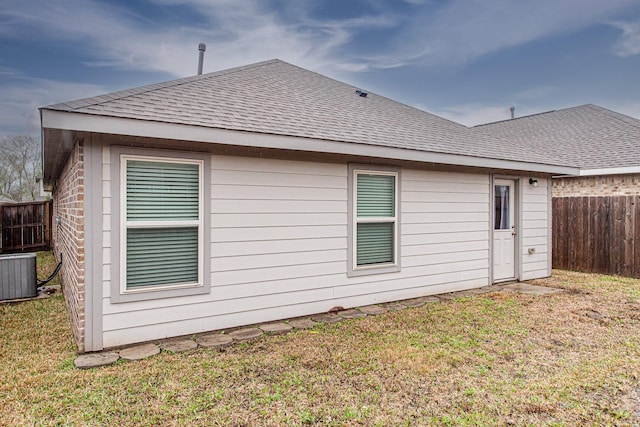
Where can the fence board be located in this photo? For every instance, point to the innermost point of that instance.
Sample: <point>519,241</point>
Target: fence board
<point>627,244</point>
<point>597,234</point>
<point>25,227</point>
<point>606,246</point>
<point>636,236</point>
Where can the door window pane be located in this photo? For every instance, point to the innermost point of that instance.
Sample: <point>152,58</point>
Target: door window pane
<point>501,217</point>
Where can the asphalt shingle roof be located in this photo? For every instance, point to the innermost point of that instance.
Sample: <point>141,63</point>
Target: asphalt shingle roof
<point>590,136</point>
<point>279,98</point>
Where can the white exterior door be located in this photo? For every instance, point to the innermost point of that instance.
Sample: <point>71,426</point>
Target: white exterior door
<point>504,230</point>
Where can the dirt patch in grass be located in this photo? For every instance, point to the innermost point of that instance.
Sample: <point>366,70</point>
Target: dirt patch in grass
<point>497,359</point>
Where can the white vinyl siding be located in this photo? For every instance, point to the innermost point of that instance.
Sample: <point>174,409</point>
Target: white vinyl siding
<point>279,245</point>
<point>161,235</point>
<point>279,248</point>
<point>535,230</point>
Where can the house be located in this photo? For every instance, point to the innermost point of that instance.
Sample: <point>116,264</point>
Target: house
<point>603,143</point>
<point>267,192</point>
<point>591,234</point>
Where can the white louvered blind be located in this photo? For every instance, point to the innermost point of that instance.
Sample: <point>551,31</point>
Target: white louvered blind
<point>376,195</point>
<point>162,191</point>
<point>375,218</point>
<point>162,211</point>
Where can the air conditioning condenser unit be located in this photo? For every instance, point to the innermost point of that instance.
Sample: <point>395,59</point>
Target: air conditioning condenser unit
<point>18,276</point>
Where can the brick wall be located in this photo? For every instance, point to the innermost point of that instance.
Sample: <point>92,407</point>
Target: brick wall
<point>68,237</point>
<point>607,185</point>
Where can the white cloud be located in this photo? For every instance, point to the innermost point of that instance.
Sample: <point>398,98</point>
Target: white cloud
<point>7,71</point>
<point>236,33</point>
<point>243,31</point>
<point>629,42</point>
<point>464,30</point>
<point>473,114</point>
<point>536,93</point>
<point>21,98</point>
<point>476,113</point>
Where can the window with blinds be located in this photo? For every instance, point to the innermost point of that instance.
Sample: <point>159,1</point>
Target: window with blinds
<point>162,207</point>
<point>375,218</point>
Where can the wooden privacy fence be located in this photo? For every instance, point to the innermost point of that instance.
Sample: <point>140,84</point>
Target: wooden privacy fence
<point>25,227</point>
<point>597,234</point>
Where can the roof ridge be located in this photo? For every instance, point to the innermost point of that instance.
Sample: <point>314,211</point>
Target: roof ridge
<point>121,94</point>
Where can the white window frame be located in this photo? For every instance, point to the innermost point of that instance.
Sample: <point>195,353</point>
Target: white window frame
<point>126,225</point>
<point>353,269</point>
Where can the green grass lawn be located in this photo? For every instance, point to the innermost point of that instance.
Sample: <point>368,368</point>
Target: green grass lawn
<point>497,359</point>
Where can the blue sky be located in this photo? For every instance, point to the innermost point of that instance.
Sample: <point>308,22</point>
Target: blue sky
<point>467,60</point>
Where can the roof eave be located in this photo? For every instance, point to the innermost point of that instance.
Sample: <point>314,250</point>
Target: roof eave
<point>55,119</point>
<point>604,171</point>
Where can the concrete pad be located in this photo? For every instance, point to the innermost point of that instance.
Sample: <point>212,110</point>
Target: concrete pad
<point>302,323</point>
<point>139,352</point>
<point>351,314</point>
<point>373,310</point>
<point>214,340</point>
<point>245,334</point>
<point>277,328</point>
<point>177,346</point>
<point>95,360</point>
<point>525,288</point>
<point>394,306</point>
<point>326,318</point>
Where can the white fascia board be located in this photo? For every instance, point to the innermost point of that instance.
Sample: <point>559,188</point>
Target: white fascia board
<point>610,171</point>
<point>603,171</point>
<point>150,129</point>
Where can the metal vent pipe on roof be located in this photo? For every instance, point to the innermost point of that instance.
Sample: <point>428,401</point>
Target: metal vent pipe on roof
<point>201,47</point>
<point>513,112</point>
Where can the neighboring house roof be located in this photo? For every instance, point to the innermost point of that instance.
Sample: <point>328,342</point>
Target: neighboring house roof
<point>277,98</point>
<point>600,141</point>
